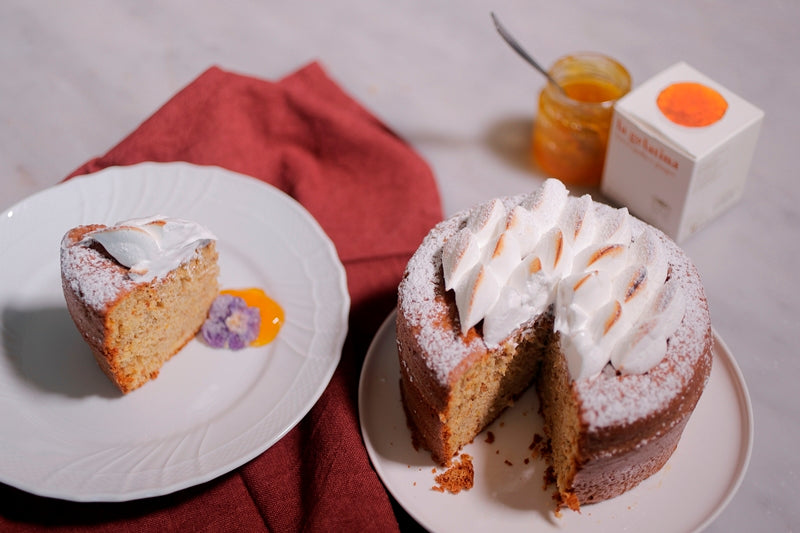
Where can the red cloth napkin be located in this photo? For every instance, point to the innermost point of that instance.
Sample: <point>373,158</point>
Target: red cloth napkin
<point>376,199</point>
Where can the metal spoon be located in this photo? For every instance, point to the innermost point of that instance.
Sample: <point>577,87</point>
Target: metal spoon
<point>508,38</point>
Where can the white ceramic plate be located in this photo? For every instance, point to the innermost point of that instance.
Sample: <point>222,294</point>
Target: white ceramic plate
<point>686,495</point>
<point>67,432</point>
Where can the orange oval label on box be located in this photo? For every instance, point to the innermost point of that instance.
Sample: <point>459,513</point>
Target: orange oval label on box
<point>692,104</point>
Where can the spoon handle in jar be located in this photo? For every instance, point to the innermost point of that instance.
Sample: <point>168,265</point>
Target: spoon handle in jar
<point>508,38</point>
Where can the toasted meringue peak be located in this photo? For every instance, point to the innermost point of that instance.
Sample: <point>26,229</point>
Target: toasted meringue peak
<point>631,283</point>
<point>640,349</point>
<point>522,224</point>
<point>644,346</point>
<point>577,222</point>
<point>127,244</point>
<point>554,252</point>
<point>669,302</point>
<point>505,256</point>
<point>648,250</point>
<point>487,221</point>
<point>482,293</point>
<point>460,254</point>
<point>614,227</point>
<point>610,313</point>
<point>512,262</point>
<point>601,257</point>
<point>547,202</point>
<point>150,247</point>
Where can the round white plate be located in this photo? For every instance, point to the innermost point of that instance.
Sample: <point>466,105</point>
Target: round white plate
<point>67,432</point>
<point>508,495</point>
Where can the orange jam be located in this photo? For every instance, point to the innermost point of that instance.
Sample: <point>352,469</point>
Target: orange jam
<point>271,313</point>
<point>592,90</point>
<point>570,134</point>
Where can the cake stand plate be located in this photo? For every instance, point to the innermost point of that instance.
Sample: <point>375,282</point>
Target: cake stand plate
<point>509,493</point>
<point>67,432</point>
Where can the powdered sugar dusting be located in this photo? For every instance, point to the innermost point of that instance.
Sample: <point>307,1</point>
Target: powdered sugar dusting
<point>419,303</point>
<point>91,275</point>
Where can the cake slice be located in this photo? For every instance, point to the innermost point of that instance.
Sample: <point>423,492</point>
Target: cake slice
<point>138,291</point>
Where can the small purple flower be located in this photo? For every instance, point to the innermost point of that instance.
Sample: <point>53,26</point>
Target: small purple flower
<point>231,323</point>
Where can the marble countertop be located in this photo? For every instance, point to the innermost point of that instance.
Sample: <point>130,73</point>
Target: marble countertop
<point>79,76</point>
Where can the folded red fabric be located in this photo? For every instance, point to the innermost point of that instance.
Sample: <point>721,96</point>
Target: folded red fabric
<point>376,199</point>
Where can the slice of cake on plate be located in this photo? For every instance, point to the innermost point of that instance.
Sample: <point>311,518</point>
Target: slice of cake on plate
<point>138,291</point>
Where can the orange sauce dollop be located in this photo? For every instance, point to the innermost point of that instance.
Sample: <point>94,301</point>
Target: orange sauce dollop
<point>271,313</point>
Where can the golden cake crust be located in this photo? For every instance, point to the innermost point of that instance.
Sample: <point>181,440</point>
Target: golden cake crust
<point>607,433</point>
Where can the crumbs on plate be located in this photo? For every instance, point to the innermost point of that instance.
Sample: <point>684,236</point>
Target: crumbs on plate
<point>460,475</point>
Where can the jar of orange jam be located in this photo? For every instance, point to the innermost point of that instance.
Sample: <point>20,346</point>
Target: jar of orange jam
<point>570,133</point>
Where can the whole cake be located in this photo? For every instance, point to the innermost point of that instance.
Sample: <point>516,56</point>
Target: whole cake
<point>603,314</point>
<point>138,291</point>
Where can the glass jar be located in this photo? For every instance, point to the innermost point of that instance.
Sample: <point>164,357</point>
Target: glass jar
<point>570,133</point>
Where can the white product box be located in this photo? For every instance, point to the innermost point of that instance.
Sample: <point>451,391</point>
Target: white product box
<point>679,150</point>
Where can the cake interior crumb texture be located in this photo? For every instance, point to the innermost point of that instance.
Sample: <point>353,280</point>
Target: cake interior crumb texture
<point>154,322</point>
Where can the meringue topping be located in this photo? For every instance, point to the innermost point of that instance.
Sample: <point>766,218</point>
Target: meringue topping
<point>608,288</point>
<point>150,247</point>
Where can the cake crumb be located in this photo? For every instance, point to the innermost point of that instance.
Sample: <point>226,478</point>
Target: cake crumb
<point>538,444</point>
<point>459,476</point>
<point>563,499</point>
<point>539,447</point>
<point>570,500</point>
<point>489,437</point>
<point>549,477</point>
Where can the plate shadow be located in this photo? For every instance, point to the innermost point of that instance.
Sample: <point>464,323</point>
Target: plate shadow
<point>47,351</point>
